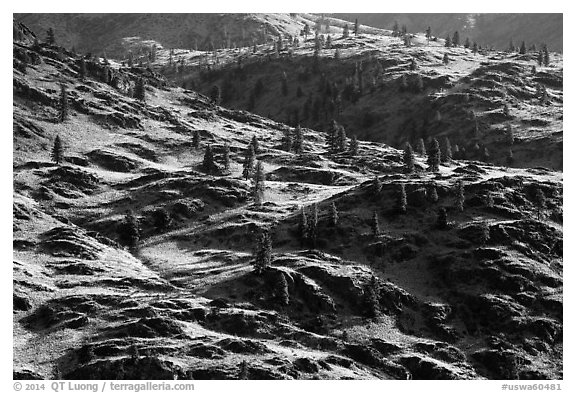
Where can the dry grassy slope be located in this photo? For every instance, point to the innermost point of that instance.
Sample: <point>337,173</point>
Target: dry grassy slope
<point>470,84</point>
<point>186,305</point>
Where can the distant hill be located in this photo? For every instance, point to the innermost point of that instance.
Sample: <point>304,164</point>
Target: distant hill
<point>487,29</point>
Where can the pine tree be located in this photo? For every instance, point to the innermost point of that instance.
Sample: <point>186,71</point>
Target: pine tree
<point>50,38</point>
<point>413,65</point>
<point>445,59</point>
<point>255,144</point>
<point>208,163</point>
<point>312,230</point>
<point>196,139</point>
<point>395,29</point>
<point>57,153</point>
<point>456,39</point>
<point>263,255</point>
<point>248,166</point>
<point>401,202</point>
<point>509,158</point>
<point>428,33</point>
<point>216,95</point>
<point>281,293</point>
<point>376,186</point>
<point>475,48</point>
<point>523,48</point>
<point>346,31</point>
<point>105,76</point>
<point>82,69</point>
<point>303,226</point>
<point>356,27</point>
<point>546,56</point>
<point>258,187</point>
<point>226,157</point>
<point>540,201</point>
<point>460,196</point>
<point>371,298</point>
<point>298,140</point>
<point>243,373</point>
<point>129,230</point>
<point>408,158</point>
<point>446,154</point>
<point>341,141</point>
<point>433,194</point>
<point>448,42</point>
<point>140,90</point>
<point>467,43</point>
<point>375,225</point>
<point>434,156</point>
<point>442,220</point>
<point>353,147</point>
<point>509,135</point>
<point>161,219</point>
<point>511,47</point>
<point>540,58</point>
<point>287,140</point>
<point>421,147</point>
<point>333,215</point>
<point>63,110</point>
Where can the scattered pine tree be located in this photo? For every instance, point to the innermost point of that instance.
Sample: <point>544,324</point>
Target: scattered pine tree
<point>50,37</point>
<point>523,48</point>
<point>255,144</point>
<point>445,59</point>
<point>446,153</point>
<point>509,158</point>
<point>248,165</point>
<point>226,157</point>
<point>208,163</point>
<point>258,187</point>
<point>82,69</point>
<point>263,256</point>
<point>456,39</point>
<point>333,215</point>
<point>129,230</point>
<point>401,202</point>
<point>421,147</point>
<point>376,186</point>
<point>298,140</point>
<point>303,226</point>
<point>371,298</point>
<point>356,27</point>
<point>460,198</point>
<point>353,147</point>
<point>63,109</point>
<point>433,194</point>
<point>243,371</point>
<point>434,156</point>
<point>313,226</point>
<point>196,139</point>
<point>57,153</point>
<point>375,225</point>
<point>540,202</point>
<point>408,158</point>
<point>140,90</point>
<point>281,293</point>
<point>442,220</point>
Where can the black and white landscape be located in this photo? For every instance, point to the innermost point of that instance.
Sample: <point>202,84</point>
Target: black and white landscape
<point>287,196</point>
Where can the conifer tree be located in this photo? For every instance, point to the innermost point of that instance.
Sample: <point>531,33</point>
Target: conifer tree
<point>312,230</point>
<point>281,293</point>
<point>140,90</point>
<point>353,147</point>
<point>346,31</point>
<point>287,140</point>
<point>216,95</point>
<point>475,48</point>
<point>333,215</point>
<point>258,187</point>
<point>442,220</point>
<point>509,135</point>
<point>446,154</point>
<point>540,58</point>
<point>371,298</point>
<point>375,225</point>
<point>523,48</point>
<point>243,370</point>
<point>63,110</point>
<point>509,158</point>
<point>303,226</point>
<point>255,144</point>
<point>105,77</point>
<point>376,188</point>
<point>434,156</point>
<point>420,147</point>
<point>298,140</point>
<point>456,152</point>
<point>433,194</point>
<point>356,27</point>
<point>248,166</point>
<point>413,65</point>
<point>460,196</point>
<point>196,139</point>
<point>456,39</point>
<point>408,158</point>
<point>129,230</point>
<point>263,255</point>
<point>428,33</point>
<point>57,153</point>
<point>208,163</point>
<point>445,59</point>
<point>82,69</point>
<point>401,202</point>
<point>448,42</point>
<point>546,56</point>
<point>540,201</point>
<point>341,140</point>
<point>226,157</point>
<point>50,38</point>
<point>467,43</point>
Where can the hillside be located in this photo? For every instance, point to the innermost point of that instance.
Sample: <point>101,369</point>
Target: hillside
<point>477,298</point>
<point>383,91</point>
<point>490,29</point>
